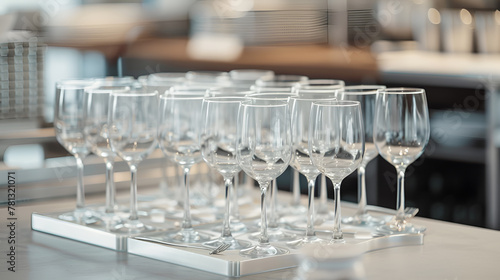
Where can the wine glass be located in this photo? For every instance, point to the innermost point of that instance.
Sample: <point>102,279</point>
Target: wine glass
<point>279,83</point>
<point>69,125</point>
<point>319,85</point>
<point>96,134</point>
<point>208,78</point>
<point>276,232</point>
<point>336,146</point>
<point>179,129</point>
<point>301,161</point>
<point>218,148</point>
<point>132,124</point>
<point>401,132</point>
<point>365,95</point>
<point>248,77</point>
<point>263,151</point>
<point>320,89</point>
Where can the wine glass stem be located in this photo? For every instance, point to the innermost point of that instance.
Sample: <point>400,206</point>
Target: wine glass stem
<point>296,188</point>
<point>400,213</point>
<point>273,219</point>
<point>226,229</point>
<point>310,208</point>
<point>110,186</point>
<point>323,196</point>
<point>361,190</point>
<point>186,222</point>
<point>337,231</point>
<point>235,211</point>
<point>264,238</point>
<point>80,189</point>
<point>133,193</point>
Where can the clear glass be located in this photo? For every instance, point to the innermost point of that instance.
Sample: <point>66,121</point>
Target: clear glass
<point>132,124</point>
<point>208,78</point>
<point>96,134</point>
<point>69,125</point>
<point>401,132</point>
<point>365,95</point>
<point>279,83</point>
<point>320,84</point>
<point>336,145</point>
<point>263,151</point>
<point>179,130</point>
<point>218,148</point>
<point>301,162</point>
<point>248,77</point>
<point>275,230</point>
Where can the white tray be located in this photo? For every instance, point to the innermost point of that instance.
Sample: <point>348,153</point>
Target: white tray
<point>230,263</point>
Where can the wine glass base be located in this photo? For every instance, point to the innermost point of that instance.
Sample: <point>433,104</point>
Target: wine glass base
<point>236,244</point>
<point>337,241</point>
<point>275,235</point>
<point>236,226</point>
<point>400,228</point>
<point>188,236</point>
<point>132,227</point>
<point>363,220</point>
<point>305,241</point>
<point>263,250</point>
<point>83,217</point>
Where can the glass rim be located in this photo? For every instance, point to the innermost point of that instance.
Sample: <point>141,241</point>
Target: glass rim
<point>277,103</point>
<point>134,93</point>
<point>402,90</point>
<point>75,83</point>
<point>337,103</point>
<point>301,98</point>
<point>322,83</point>
<point>185,96</point>
<point>224,99</point>
<point>103,91</point>
<point>362,89</point>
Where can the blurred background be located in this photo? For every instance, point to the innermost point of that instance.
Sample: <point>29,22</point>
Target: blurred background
<point>449,47</point>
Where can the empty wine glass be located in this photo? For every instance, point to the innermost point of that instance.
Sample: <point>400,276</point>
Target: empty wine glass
<point>248,77</point>
<point>336,146</point>
<point>301,161</point>
<point>275,231</point>
<point>208,78</point>
<point>263,152</point>
<point>178,135</point>
<point>319,85</point>
<point>401,132</point>
<point>96,134</point>
<point>320,89</point>
<point>365,95</point>
<point>279,83</point>
<point>132,124</point>
<point>69,125</point>
<point>218,148</point>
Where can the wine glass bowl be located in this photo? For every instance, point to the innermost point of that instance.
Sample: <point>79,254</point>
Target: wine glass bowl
<point>401,132</point>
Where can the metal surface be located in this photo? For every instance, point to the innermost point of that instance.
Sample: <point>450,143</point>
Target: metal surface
<point>98,236</point>
<point>230,263</point>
